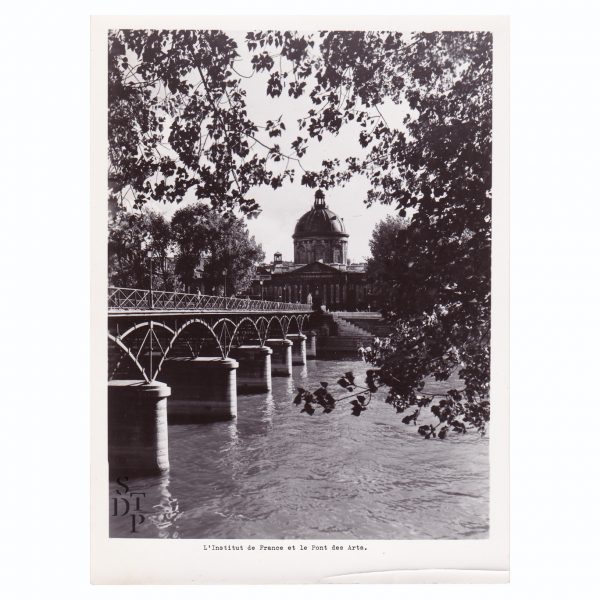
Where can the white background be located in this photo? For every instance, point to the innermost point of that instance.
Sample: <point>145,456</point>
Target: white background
<point>44,341</point>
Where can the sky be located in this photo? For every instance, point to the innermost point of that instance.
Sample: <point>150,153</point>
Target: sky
<point>281,208</point>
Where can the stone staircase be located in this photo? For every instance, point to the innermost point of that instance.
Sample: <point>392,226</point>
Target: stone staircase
<point>347,328</point>
<point>370,322</point>
<point>350,337</point>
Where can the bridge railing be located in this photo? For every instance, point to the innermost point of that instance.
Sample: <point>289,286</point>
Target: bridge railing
<point>125,299</point>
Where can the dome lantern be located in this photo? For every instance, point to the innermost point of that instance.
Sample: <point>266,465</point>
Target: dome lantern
<point>319,200</point>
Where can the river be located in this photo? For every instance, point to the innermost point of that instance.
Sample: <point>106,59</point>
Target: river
<point>276,473</point>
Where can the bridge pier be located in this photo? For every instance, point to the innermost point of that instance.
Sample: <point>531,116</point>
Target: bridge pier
<point>204,388</point>
<point>281,360</point>
<point>254,372</point>
<point>298,348</point>
<point>137,426</point>
<point>311,344</point>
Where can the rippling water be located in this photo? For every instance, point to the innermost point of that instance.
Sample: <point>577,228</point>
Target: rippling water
<point>278,473</point>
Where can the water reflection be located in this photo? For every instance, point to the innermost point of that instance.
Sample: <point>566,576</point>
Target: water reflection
<point>269,408</point>
<point>166,512</point>
<point>233,439</point>
<point>289,383</point>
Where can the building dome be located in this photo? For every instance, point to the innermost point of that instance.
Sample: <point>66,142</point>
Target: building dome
<point>320,235</point>
<point>319,221</point>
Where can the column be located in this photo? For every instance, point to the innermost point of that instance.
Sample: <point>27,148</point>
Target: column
<point>138,439</point>
<point>204,388</point>
<point>311,344</point>
<point>254,372</point>
<point>298,348</point>
<point>281,359</point>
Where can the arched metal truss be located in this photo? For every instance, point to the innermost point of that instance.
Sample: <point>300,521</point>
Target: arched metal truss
<point>140,343</point>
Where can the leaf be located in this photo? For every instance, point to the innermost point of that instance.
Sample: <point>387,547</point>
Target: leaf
<point>172,84</point>
<point>308,408</point>
<point>343,382</point>
<point>412,417</point>
<point>423,430</point>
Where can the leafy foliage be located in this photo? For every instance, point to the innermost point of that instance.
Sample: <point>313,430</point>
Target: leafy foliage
<point>454,411</point>
<point>135,239</point>
<point>439,325</point>
<point>387,259</point>
<point>216,248</point>
<point>322,397</point>
<point>177,121</point>
<point>198,250</point>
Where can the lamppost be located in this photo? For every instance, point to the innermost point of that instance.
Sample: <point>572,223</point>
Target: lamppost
<point>262,283</point>
<point>146,246</point>
<point>224,282</point>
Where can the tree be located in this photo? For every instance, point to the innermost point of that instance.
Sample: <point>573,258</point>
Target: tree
<point>177,121</point>
<point>214,251</point>
<point>437,167</point>
<point>385,261</point>
<point>138,241</point>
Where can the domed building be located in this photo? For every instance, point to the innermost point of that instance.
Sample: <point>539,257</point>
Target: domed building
<point>321,272</point>
<point>320,235</point>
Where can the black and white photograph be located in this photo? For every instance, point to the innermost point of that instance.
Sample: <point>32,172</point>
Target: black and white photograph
<point>299,297</point>
<point>299,267</point>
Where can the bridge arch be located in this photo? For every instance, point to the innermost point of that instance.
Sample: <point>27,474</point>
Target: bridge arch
<point>128,354</point>
<point>181,330</point>
<point>224,329</point>
<point>262,326</point>
<point>238,330</point>
<point>137,346</point>
<point>296,324</point>
<point>275,326</point>
<point>149,324</point>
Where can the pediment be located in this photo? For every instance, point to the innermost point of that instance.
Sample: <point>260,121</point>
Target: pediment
<point>316,267</point>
